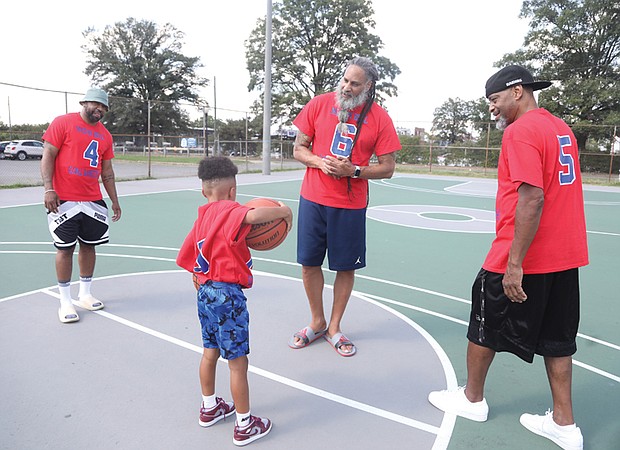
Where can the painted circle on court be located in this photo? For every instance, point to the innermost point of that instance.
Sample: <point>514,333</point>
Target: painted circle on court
<point>436,217</point>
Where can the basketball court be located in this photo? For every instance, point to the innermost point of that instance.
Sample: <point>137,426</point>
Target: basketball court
<point>127,376</point>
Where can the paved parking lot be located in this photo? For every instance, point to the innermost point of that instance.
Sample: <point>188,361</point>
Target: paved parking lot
<point>27,173</point>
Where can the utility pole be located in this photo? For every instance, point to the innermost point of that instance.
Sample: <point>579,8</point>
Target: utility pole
<point>267,100</point>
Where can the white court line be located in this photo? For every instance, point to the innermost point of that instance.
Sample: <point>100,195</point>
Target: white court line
<point>462,322</point>
<point>445,191</point>
<point>449,420</point>
<point>476,216</point>
<point>605,233</point>
<point>453,190</point>
<point>597,371</point>
<point>197,189</point>
<point>378,280</point>
<point>458,299</point>
<point>288,381</point>
<point>240,182</point>
<point>445,430</point>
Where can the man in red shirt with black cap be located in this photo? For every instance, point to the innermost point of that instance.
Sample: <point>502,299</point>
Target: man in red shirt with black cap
<point>525,299</point>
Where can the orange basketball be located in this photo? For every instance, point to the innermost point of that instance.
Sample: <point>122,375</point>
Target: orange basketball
<point>195,280</point>
<point>268,235</point>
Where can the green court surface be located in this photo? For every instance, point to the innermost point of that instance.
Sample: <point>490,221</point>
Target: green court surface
<point>427,237</point>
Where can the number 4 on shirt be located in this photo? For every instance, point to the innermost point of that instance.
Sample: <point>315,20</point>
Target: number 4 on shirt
<point>92,153</point>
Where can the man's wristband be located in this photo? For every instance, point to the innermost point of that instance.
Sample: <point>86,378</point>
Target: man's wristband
<point>49,190</point>
<point>357,172</point>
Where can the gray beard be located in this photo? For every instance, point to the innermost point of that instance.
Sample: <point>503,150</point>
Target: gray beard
<point>346,105</point>
<point>343,115</point>
<point>349,103</point>
<point>501,124</point>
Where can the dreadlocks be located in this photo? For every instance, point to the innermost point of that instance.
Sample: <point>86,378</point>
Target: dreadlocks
<point>367,98</point>
<point>372,75</point>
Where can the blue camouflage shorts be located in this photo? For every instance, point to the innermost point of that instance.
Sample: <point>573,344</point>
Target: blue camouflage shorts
<point>224,318</point>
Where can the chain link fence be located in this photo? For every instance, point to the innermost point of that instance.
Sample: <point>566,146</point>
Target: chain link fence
<point>601,166</point>
<point>152,154</point>
<point>139,161</point>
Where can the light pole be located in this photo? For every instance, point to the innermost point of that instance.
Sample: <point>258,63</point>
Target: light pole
<point>267,101</point>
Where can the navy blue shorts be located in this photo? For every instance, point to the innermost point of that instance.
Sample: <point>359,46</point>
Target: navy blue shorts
<point>339,232</point>
<point>224,319</point>
<point>545,324</point>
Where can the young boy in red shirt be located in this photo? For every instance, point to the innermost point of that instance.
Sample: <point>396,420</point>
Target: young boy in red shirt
<point>215,251</point>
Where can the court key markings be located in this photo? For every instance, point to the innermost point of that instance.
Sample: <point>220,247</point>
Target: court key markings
<point>358,293</point>
<point>443,432</point>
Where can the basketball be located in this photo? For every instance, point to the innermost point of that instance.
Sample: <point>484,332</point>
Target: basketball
<point>268,235</point>
<point>195,280</point>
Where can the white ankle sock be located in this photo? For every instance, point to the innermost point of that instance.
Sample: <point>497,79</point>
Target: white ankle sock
<point>64,288</point>
<point>85,286</point>
<point>208,401</point>
<point>243,420</point>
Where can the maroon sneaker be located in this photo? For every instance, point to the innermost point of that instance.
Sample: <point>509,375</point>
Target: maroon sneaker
<point>212,416</point>
<point>257,429</point>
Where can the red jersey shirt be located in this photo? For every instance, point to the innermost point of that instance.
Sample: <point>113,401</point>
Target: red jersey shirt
<point>319,120</point>
<point>215,248</point>
<point>82,147</point>
<point>540,149</point>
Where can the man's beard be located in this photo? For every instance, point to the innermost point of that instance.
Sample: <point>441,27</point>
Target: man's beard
<point>92,118</point>
<point>349,103</point>
<point>501,123</point>
<point>346,105</point>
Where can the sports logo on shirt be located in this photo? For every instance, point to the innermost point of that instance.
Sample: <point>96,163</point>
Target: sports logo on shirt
<point>202,265</point>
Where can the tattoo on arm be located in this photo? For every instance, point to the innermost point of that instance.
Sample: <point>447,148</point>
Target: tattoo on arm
<point>302,139</point>
<point>388,157</point>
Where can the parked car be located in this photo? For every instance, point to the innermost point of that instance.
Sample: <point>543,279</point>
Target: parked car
<point>24,149</point>
<point>3,144</point>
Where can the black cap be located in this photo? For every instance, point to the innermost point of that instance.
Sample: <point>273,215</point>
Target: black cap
<point>510,76</point>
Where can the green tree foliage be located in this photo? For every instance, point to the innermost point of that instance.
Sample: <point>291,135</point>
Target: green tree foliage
<point>575,43</point>
<point>413,152</point>
<point>311,42</point>
<point>233,133</point>
<point>22,131</point>
<point>484,126</point>
<point>137,61</point>
<point>234,130</point>
<point>452,121</point>
<point>238,129</point>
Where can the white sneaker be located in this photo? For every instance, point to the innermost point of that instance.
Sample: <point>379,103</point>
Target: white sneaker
<point>568,437</point>
<point>455,402</point>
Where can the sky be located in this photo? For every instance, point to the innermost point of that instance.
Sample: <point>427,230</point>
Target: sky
<point>444,49</point>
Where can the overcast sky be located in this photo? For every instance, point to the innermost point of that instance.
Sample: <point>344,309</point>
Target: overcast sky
<point>444,48</point>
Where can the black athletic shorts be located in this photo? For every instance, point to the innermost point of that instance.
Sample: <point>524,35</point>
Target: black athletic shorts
<point>545,324</point>
<point>84,221</point>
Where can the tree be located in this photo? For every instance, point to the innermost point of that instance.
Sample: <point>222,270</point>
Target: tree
<point>138,62</point>
<point>236,129</point>
<point>412,151</point>
<point>575,43</point>
<point>311,42</point>
<point>22,131</point>
<point>484,125</point>
<point>452,121</point>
